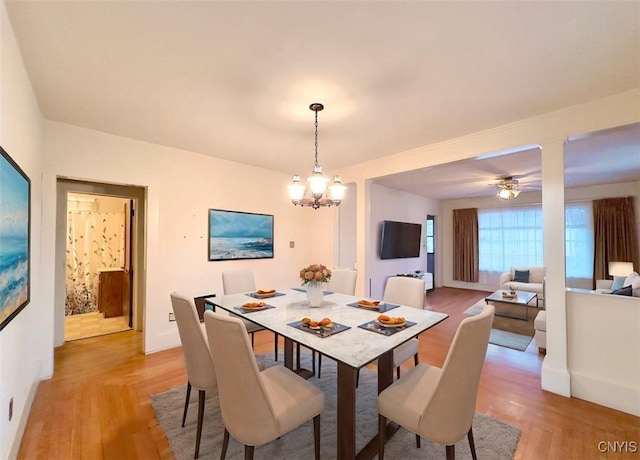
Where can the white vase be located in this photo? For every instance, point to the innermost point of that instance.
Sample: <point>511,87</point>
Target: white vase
<point>314,294</point>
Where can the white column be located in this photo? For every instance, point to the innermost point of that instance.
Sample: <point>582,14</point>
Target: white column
<point>555,375</point>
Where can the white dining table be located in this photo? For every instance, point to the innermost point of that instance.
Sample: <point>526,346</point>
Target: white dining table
<point>352,348</point>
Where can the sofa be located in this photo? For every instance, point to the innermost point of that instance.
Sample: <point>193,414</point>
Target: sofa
<point>528,279</point>
<point>540,336</point>
<point>620,285</point>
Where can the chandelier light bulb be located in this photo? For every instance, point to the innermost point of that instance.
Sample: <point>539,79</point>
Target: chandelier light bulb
<point>337,190</point>
<point>296,189</point>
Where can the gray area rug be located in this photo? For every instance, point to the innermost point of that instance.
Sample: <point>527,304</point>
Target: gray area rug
<point>508,332</point>
<point>494,439</point>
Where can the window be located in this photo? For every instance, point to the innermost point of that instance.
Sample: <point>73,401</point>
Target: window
<point>509,237</point>
<point>430,236</point>
<point>513,237</point>
<point>579,240</point>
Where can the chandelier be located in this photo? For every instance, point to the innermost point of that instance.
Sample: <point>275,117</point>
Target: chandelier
<point>317,182</point>
<point>508,188</point>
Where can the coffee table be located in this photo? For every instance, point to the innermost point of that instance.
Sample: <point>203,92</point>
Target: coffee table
<point>521,298</point>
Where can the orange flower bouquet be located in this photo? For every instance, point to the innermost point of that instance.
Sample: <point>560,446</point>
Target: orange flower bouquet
<point>315,273</point>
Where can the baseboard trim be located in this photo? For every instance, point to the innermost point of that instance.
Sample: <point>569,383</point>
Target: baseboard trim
<point>555,380</point>
<point>22,423</point>
<point>606,393</point>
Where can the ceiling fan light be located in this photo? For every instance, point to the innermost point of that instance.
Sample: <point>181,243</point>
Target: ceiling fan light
<point>515,193</point>
<point>505,194</point>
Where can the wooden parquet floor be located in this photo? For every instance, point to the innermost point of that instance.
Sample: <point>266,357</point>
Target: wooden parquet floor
<point>97,405</point>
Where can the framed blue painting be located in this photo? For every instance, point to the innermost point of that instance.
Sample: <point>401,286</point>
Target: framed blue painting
<point>237,235</point>
<point>15,241</point>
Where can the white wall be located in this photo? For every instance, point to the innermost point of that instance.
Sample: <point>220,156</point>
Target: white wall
<point>603,341</point>
<point>346,241</point>
<point>181,187</point>
<point>26,352</point>
<point>400,206</point>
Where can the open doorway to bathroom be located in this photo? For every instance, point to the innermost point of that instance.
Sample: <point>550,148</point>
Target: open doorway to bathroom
<point>97,266</point>
<point>100,244</point>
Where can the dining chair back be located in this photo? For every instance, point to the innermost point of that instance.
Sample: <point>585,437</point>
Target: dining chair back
<point>200,371</point>
<point>237,281</point>
<point>408,291</point>
<point>257,407</point>
<point>405,290</point>
<point>439,404</point>
<point>343,280</point>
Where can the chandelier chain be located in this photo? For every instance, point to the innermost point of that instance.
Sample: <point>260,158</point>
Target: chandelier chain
<point>316,196</point>
<point>316,146</point>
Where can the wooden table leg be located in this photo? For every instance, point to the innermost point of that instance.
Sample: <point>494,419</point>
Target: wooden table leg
<point>385,370</point>
<point>346,426</point>
<point>385,378</point>
<point>288,360</point>
<point>288,353</point>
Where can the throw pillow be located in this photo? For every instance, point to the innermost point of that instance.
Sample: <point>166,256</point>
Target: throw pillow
<point>618,282</point>
<point>623,291</point>
<point>521,276</point>
<point>632,280</point>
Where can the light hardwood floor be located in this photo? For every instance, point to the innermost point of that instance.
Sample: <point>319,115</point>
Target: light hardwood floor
<point>97,404</point>
<point>92,324</point>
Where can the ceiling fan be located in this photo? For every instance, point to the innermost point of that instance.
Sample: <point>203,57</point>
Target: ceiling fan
<point>508,188</point>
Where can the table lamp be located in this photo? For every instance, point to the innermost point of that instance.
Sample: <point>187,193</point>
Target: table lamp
<point>620,268</point>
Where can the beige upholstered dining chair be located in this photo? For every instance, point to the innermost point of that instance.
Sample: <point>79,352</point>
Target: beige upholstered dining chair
<point>439,403</point>
<point>257,407</point>
<point>236,282</point>
<point>200,371</point>
<point>343,280</point>
<point>408,291</point>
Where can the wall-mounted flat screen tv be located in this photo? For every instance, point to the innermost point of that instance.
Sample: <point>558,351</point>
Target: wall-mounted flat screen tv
<point>400,240</point>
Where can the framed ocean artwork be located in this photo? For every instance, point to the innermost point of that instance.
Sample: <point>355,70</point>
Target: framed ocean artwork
<point>15,233</point>
<point>237,235</point>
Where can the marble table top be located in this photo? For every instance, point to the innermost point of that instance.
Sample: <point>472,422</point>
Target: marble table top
<point>355,346</point>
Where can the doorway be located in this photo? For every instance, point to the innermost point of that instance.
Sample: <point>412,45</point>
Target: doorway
<point>98,272</point>
<point>100,244</point>
<point>430,245</point>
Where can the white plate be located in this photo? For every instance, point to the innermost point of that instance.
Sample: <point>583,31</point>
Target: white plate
<point>391,325</point>
<point>373,307</point>
<point>253,309</point>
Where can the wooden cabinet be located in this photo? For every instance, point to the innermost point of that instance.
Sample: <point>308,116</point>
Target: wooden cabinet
<point>111,291</point>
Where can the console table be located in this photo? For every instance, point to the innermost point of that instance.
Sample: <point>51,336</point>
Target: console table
<point>427,277</point>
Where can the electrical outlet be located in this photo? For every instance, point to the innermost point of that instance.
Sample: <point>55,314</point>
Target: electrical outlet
<point>10,409</point>
<point>292,244</point>
<point>172,316</point>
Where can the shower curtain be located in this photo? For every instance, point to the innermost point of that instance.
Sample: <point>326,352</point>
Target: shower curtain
<point>95,240</point>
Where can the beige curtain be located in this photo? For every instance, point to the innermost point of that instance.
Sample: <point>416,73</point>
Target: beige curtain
<point>615,235</point>
<point>465,245</point>
<point>94,240</point>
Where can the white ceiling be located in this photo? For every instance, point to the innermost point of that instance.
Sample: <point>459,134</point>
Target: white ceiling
<point>608,156</point>
<point>235,79</point>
